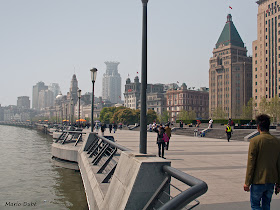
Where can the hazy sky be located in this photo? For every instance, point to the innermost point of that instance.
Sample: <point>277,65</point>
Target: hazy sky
<point>49,40</point>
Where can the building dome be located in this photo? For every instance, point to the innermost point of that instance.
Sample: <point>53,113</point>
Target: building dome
<point>128,81</point>
<point>59,96</point>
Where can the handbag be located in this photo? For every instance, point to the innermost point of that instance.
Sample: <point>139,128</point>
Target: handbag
<point>165,137</point>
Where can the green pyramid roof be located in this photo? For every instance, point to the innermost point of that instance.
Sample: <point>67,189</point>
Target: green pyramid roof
<point>230,35</point>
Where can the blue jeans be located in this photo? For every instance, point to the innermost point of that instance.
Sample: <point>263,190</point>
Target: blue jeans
<point>261,193</point>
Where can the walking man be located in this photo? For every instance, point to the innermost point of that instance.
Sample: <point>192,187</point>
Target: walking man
<point>228,132</point>
<point>263,166</point>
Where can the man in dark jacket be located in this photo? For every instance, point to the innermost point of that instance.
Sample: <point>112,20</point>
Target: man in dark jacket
<point>263,167</point>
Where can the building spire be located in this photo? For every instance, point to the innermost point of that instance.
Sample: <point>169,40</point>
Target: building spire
<point>229,35</point>
<point>229,18</point>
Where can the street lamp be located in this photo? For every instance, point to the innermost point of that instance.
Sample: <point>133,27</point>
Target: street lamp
<point>93,78</point>
<point>66,106</point>
<point>71,112</point>
<point>143,113</point>
<point>79,97</point>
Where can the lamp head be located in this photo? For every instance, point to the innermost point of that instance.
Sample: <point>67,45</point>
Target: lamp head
<point>79,93</point>
<point>93,74</point>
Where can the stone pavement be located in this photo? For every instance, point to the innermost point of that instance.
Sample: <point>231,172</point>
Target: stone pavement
<point>221,164</point>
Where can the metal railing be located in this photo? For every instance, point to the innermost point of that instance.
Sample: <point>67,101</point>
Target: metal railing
<point>70,137</point>
<point>162,198</point>
<point>104,153</point>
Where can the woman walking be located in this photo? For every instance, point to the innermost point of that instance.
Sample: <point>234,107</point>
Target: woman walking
<point>168,133</point>
<point>161,144</point>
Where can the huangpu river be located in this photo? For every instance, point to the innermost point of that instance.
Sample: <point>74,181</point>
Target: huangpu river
<point>28,177</point>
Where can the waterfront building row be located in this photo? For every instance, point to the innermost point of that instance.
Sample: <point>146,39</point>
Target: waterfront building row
<point>168,98</point>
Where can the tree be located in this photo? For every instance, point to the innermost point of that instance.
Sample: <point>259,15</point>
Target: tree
<point>164,117</point>
<point>137,115</point>
<point>247,110</point>
<point>219,113</point>
<point>106,114</point>
<point>151,116</point>
<point>274,109</point>
<point>187,115</point>
<point>125,116</point>
<point>263,106</point>
<point>191,115</point>
<point>183,115</point>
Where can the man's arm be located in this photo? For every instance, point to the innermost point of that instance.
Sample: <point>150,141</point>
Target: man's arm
<point>251,163</point>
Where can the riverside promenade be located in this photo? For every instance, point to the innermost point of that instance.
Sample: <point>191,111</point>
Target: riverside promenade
<point>221,164</point>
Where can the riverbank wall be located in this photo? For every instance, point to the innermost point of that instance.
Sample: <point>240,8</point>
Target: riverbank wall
<point>136,177</point>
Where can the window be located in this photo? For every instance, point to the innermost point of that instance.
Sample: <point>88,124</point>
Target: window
<point>256,69</point>
<point>256,83</point>
<point>256,90</point>
<point>256,76</point>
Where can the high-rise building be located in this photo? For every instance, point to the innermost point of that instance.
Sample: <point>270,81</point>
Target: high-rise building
<point>111,86</point>
<point>23,102</point>
<point>54,87</point>
<point>35,95</point>
<point>266,52</point>
<point>46,99</point>
<point>230,73</point>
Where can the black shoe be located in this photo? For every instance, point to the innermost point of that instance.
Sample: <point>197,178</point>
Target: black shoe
<point>163,157</point>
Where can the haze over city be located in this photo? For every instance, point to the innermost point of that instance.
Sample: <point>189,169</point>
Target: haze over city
<point>50,40</point>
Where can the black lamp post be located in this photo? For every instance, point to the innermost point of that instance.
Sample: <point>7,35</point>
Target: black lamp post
<point>71,112</point>
<point>66,113</point>
<point>93,78</point>
<point>79,106</point>
<point>143,113</point>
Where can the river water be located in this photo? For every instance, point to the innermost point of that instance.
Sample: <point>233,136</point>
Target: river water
<point>28,177</point>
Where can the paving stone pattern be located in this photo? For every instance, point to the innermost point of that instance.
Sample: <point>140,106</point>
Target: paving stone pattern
<point>221,164</point>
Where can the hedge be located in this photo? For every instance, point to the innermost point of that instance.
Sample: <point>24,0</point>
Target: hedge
<point>219,121</point>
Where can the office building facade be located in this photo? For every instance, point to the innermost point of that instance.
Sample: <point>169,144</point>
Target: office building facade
<point>23,102</point>
<point>35,94</point>
<point>230,73</point>
<point>266,52</point>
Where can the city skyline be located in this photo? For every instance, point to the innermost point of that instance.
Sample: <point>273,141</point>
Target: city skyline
<point>50,41</point>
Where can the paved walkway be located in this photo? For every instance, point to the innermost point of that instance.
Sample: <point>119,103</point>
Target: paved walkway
<point>221,164</point>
